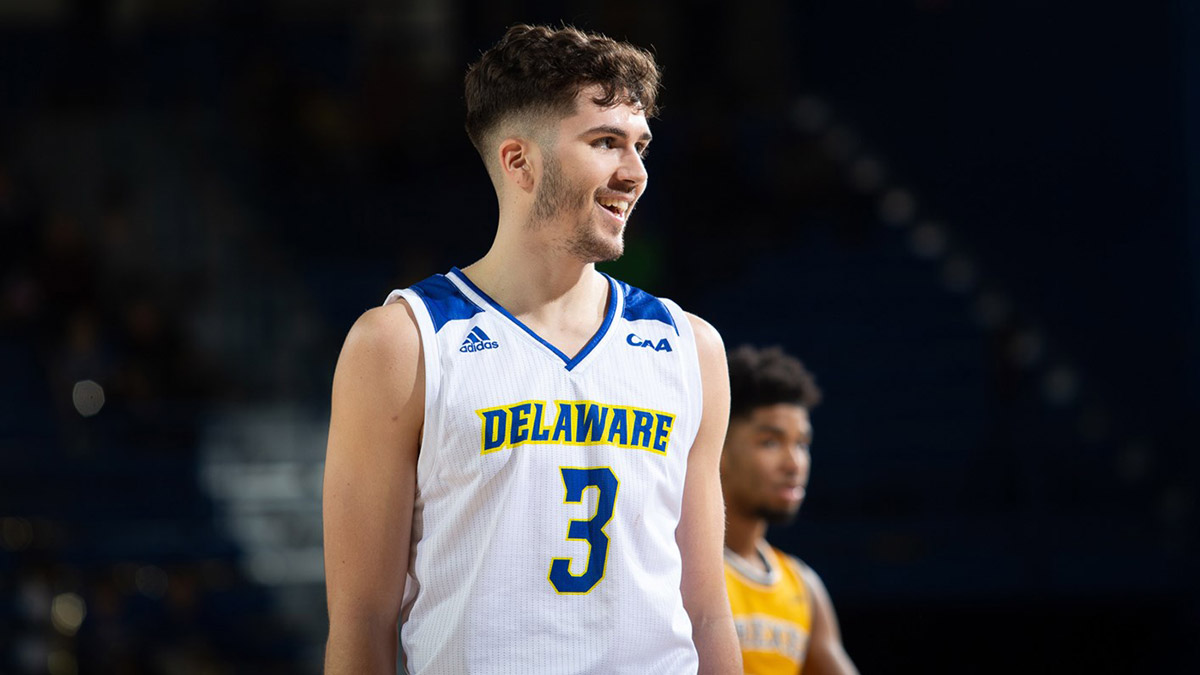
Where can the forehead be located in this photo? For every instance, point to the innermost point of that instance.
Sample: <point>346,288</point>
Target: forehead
<point>788,418</point>
<point>589,115</point>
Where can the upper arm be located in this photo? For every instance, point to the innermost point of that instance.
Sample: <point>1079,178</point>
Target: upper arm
<point>826,654</point>
<point>377,410</point>
<point>701,531</point>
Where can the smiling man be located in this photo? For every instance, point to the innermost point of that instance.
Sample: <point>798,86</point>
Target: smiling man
<point>522,470</point>
<point>785,619</point>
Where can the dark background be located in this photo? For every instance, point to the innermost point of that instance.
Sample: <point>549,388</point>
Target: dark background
<point>976,222</point>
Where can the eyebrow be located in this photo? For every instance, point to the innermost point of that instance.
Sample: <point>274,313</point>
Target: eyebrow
<point>616,131</point>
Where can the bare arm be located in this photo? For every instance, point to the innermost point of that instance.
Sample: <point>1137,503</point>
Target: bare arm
<point>826,655</point>
<point>701,532</point>
<point>370,474</point>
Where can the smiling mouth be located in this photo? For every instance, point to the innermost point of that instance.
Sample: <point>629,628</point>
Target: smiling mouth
<point>792,493</point>
<point>617,207</point>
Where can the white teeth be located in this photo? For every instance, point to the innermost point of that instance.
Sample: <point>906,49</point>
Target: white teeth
<point>621,205</point>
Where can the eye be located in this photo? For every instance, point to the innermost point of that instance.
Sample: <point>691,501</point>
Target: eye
<point>643,150</point>
<point>769,442</point>
<point>605,142</point>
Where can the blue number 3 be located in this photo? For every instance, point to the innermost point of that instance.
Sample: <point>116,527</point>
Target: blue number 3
<point>575,481</point>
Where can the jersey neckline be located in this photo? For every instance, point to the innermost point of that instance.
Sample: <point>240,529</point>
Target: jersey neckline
<point>569,362</point>
<point>749,572</point>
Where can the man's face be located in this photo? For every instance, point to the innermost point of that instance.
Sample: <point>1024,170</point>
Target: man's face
<point>593,176</point>
<point>764,467</point>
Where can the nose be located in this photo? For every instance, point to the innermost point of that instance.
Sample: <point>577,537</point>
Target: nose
<point>797,461</point>
<point>632,170</point>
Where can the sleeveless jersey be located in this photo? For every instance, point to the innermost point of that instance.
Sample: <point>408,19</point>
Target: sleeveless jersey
<point>548,489</point>
<point>772,612</point>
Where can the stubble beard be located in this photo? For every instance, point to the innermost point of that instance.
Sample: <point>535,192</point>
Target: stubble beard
<point>777,516</point>
<point>557,197</point>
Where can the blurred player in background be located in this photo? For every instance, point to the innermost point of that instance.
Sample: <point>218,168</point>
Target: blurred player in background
<point>784,617</point>
<point>530,444</point>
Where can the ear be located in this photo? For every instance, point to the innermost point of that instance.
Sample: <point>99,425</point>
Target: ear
<point>516,162</point>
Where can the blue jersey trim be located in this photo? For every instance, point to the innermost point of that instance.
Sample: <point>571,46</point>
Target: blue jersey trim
<point>444,301</point>
<point>609,315</point>
<point>641,306</point>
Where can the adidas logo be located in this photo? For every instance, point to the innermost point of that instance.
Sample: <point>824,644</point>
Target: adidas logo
<point>477,341</point>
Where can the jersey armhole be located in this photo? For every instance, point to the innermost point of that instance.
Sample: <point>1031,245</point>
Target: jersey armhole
<point>690,360</point>
<point>429,349</point>
<point>433,377</point>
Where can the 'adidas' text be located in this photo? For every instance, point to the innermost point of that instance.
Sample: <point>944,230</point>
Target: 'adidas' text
<point>477,341</point>
<point>478,346</point>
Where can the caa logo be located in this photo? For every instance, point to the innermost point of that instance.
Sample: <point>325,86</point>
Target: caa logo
<point>661,346</point>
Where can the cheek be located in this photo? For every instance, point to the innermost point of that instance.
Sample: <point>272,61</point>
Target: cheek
<point>582,193</point>
<point>732,467</point>
<point>738,471</point>
<point>804,462</point>
<point>750,471</point>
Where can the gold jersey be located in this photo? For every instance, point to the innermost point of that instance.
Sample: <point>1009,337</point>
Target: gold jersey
<point>772,612</point>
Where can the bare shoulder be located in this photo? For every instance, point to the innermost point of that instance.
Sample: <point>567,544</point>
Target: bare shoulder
<point>827,655</point>
<point>390,330</point>
<point>825,622</point>
<point>380,368</point>
<point>714,374</point>
<point>811,578</point>
<point>708,341</point>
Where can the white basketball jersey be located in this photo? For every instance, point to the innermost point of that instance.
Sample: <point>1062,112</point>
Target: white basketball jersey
<point>549,489</point>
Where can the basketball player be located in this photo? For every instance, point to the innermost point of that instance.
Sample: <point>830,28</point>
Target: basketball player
<point>785,620</point>
<point>522,469</point>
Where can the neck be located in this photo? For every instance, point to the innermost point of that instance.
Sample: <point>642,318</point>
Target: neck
<point>743,533</point>
<point>527,274</point>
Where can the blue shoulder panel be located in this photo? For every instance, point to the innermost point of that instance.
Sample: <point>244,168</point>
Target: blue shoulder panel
<point>641,306</point>
<point>444,301</point>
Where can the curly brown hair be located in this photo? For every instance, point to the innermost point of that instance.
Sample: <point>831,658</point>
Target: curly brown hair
<point>761,377</point>
<point>539,70</point>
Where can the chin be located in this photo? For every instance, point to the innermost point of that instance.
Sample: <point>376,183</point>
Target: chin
<point>596,248</point>
<point>779,516</point>
<point>613,253</point>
